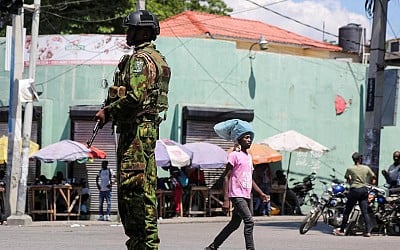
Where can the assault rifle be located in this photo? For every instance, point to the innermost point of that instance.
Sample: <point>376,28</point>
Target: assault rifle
<point>96,128</point>
<point>94,133</point>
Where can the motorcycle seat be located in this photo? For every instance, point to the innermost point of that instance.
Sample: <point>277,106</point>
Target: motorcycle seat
<point>392,198</point>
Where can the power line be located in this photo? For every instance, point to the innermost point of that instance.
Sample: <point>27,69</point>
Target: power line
<point>292,19</point>
<point>64,5</point>
<point>387,21</point>
<point>80,20</point>
<point>368,7</point>
<point>228,29</point>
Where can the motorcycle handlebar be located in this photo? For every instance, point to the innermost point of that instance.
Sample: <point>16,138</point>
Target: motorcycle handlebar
<point>376,189</point>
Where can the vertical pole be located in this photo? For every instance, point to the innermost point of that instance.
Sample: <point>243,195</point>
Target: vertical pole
<point>141,5</point>
<point>286,185</point>
<point>372,122</point>
<point>26,134</point>
<point>14,116</point>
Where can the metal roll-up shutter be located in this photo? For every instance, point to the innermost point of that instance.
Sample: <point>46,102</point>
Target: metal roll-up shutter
<point>198,126</point>
<point>82,131</point>
<point>203,131</point>
<point>33,171</point>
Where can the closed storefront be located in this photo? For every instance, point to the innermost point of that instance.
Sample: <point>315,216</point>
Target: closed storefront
<point>82,128</point>
<point>34,166</point>
<point>198,126</point>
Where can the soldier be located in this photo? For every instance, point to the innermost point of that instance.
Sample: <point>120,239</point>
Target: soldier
<point>135,104</point>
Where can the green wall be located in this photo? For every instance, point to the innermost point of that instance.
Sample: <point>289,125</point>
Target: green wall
<point>286,92</point>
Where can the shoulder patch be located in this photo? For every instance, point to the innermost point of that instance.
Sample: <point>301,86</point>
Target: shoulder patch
<point>137,66</point>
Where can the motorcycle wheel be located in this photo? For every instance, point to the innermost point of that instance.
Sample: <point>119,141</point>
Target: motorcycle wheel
<point>350,228</point>
<point>310,221</point>
<point>393,228</point>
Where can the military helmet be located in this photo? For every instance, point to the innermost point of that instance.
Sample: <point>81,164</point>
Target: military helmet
<point>143,18</point>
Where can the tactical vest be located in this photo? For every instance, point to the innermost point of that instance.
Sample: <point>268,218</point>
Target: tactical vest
<point>156,101</point>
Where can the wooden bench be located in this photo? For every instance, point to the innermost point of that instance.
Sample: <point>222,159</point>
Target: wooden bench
<point>164,207</point>
<point>198,197</point>
<point>41,201</point>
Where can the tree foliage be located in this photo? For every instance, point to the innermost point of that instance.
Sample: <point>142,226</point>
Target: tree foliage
<point>167,8</point>
<point>104,16</point>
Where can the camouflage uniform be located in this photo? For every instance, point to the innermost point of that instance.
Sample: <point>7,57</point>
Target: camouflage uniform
<point>135,101</point>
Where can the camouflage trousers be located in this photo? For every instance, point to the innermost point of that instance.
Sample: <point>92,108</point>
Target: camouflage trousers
<point>137,183</point>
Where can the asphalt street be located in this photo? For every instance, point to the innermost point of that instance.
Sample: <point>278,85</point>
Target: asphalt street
<point>276,232</point>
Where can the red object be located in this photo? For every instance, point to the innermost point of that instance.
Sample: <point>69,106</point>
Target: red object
<point>262,153</point>
<point>340,104</point>
<point>178,190</point>
<point>96,153</point>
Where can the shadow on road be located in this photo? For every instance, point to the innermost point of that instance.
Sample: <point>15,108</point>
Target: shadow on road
<point>321,227</point>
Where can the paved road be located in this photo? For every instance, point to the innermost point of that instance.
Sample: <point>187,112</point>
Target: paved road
<point>277,233</point>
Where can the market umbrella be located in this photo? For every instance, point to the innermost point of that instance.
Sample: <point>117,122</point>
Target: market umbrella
<point>33,147</point>
<point>207,155</point>
<point>65,150</point>
<point>96,153</point>
<point>292,141</point>
<point>171,153</point>
<point>261,153</point>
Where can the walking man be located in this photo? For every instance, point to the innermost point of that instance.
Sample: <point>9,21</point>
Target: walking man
<point>104,184</point>
<point>238,183</point>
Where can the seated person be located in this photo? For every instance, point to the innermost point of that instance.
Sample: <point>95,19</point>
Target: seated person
<point>42,180</point>
<point>291,198</point>
<point>58,178</point>
<point>85,194</point>
<point>196,176</point>
<point>177,189</point>
<point>163,183</point>
<point>262,177</point>
<point>392,175</point>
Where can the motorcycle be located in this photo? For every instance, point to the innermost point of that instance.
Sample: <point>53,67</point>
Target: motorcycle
<point>304,190</point>
<point>330,206</point>
<point>384,213</point>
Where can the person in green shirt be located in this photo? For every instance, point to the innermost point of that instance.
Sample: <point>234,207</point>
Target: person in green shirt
<point>358,176</point>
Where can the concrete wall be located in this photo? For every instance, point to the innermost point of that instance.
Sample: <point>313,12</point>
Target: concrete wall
<point>286,92</point>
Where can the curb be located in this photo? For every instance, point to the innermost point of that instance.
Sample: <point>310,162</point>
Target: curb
<point>176,220</point>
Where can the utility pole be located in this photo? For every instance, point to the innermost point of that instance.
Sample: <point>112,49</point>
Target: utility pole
<point>374,90</point>
<point>21,217</point>
<point>141,5</point>
<point>14,115</point>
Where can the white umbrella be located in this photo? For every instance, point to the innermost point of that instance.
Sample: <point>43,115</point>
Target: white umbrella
<point>207,155</point>
<point>171,153</point>
<point>65,150</point>
<point>292,141</point>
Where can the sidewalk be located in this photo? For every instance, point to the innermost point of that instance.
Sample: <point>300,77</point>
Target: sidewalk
<point>179,220</point>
